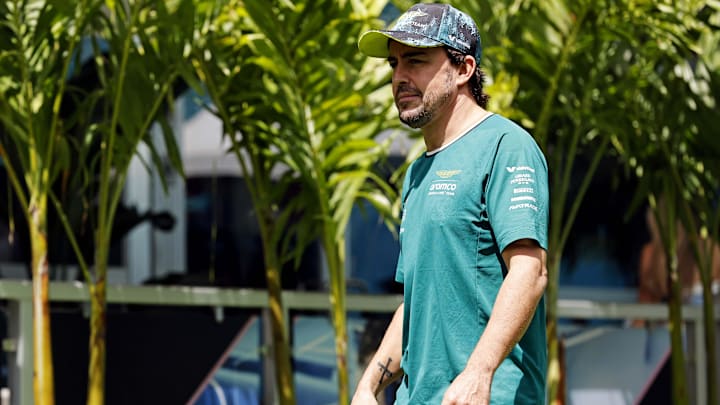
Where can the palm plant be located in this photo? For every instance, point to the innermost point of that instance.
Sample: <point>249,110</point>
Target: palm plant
<point>678,170</point>
<point>37,45</point>
<point>560,69</point>
<point>302,109</point>
<point>138,50</point>
<point>135,48</point>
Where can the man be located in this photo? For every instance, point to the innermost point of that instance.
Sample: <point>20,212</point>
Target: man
<point>473,235</point>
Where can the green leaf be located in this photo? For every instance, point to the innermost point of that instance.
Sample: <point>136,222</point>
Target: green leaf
<point>171,147</point>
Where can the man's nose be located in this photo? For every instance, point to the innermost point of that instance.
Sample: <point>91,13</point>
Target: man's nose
<point>399,75</point>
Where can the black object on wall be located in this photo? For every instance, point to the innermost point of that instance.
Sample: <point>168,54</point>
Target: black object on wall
<point>155,355</point>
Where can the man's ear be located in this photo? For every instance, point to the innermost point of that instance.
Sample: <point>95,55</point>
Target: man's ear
<point>466,70</point>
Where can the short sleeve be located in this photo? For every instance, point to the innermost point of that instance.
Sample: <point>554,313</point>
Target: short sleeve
<point>399,271</point>
<point>517,191</point>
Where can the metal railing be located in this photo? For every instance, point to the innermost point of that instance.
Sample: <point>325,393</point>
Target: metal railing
<point>18,296</point>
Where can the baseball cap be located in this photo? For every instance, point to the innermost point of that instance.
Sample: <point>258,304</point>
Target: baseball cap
<point>426,25</point>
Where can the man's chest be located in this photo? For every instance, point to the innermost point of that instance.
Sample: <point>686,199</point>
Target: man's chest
<point>442,194</point>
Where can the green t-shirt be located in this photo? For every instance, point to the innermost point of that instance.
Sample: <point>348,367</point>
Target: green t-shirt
<point>490,183</point>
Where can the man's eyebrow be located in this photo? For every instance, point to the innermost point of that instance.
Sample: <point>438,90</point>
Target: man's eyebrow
<point>411,54</point>
<point>408,54</point>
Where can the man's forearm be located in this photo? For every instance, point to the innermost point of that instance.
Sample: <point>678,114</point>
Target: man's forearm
<point>384,367</point>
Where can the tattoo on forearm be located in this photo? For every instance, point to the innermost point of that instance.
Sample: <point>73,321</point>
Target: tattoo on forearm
<point>385,370</point>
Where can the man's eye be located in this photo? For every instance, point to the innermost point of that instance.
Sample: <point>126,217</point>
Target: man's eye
<point>392,64</point>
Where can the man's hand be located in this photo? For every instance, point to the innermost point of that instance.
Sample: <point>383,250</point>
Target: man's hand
<point>364,397</point>
<point>468,389</point>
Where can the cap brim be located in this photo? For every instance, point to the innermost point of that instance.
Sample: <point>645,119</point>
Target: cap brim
<point>375,43</point>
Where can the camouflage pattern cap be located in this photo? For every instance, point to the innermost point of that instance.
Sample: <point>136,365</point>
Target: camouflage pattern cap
<point>426,26</point>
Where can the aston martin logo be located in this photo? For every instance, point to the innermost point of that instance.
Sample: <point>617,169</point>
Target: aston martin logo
<point>446,174</point>
<point>415,13</point>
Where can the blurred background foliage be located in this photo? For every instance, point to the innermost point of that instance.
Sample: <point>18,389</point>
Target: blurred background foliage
<point>623,88</point>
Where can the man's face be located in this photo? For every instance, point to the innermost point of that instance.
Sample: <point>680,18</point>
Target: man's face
<point>423,82</point>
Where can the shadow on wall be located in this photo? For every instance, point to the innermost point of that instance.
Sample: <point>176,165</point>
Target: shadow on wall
<point>154,355</point>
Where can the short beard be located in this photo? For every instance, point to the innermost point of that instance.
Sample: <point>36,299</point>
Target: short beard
<point>417,120</point>
<point>431,103</point>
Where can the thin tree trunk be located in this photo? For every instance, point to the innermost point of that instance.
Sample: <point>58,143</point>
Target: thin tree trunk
<point>98,329</point>
<point>679,382</point>
<point>338,313</point>
<point>43,377</point>
<point>98,292</point>
<point>665,214</point>
<point>281,345</point>
<point>555,374</point>
<point>710,347</point>
<point>705,262</point>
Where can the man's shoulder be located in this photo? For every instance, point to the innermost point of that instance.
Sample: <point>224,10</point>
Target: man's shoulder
<point>511,134</point>
<point>501,133</point>
<point>506,126</point>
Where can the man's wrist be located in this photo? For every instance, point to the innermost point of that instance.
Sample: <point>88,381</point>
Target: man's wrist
<point>368,385</point>
<point>480,370</point>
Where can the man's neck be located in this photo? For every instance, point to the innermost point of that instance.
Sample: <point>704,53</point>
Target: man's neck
<point>456,121</point>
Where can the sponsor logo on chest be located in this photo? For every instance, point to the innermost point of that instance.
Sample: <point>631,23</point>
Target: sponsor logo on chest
<point>444,184</point>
